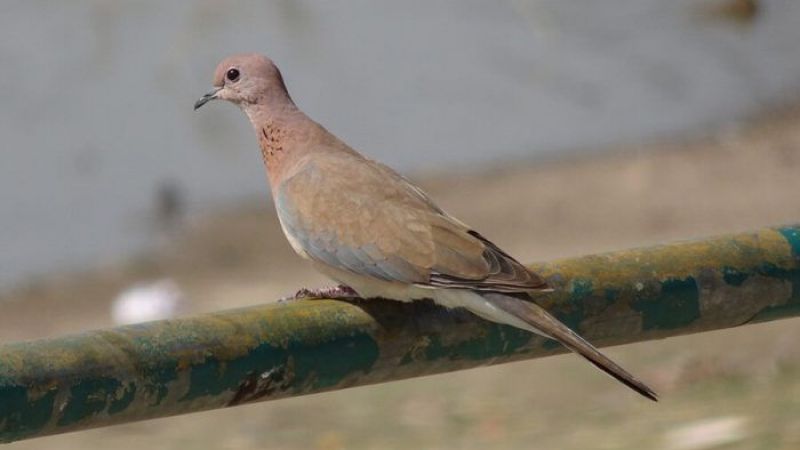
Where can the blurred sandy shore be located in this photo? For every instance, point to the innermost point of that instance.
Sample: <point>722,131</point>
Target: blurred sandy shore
<point>737,178</point>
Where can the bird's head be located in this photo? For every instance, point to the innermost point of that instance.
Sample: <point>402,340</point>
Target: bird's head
<point>245,80</point>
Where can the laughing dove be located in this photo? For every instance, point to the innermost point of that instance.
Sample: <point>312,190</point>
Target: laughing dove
<point>371,230</point>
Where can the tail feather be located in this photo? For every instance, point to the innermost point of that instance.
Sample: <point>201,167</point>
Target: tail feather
<point>541,322</point>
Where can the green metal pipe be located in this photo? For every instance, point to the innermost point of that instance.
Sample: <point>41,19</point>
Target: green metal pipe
<point>268,352</point>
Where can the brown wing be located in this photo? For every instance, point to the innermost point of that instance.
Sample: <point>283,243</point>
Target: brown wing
<point>467,260</point>
<point>373,222</point>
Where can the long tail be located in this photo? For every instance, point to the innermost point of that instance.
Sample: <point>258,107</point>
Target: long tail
<point>540,321</point>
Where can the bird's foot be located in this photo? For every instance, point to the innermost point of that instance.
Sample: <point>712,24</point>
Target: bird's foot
<point>340,292</point>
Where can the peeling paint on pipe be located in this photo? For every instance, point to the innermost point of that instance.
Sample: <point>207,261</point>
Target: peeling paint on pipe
<point>229,358</point>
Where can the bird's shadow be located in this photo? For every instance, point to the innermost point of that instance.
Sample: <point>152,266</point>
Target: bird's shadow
<point>425,317</point>
<point>422,314</point>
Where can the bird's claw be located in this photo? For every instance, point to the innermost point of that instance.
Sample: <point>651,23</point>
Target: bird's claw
<point>340,292</point>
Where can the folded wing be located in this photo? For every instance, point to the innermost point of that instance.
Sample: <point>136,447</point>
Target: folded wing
<point>373,222</point>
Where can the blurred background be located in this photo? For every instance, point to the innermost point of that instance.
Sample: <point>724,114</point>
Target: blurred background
<point>556,128</point>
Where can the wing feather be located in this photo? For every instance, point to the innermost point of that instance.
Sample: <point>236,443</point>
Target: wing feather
<point>373,222</point>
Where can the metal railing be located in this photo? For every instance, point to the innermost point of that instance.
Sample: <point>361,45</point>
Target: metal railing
<point>171,367</point>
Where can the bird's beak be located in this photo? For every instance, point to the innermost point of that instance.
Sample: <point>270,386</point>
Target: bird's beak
<point>206,98</point>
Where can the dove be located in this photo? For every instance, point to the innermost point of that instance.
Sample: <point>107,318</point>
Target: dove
<point>373,231</point>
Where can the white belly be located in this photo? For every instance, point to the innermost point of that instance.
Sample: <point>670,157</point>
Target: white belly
<point>369,287</point>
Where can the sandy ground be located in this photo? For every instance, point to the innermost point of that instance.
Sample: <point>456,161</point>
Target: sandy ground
<point>732,389</point>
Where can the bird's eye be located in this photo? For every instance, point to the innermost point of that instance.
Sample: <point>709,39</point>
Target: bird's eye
<point>232,74</point>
